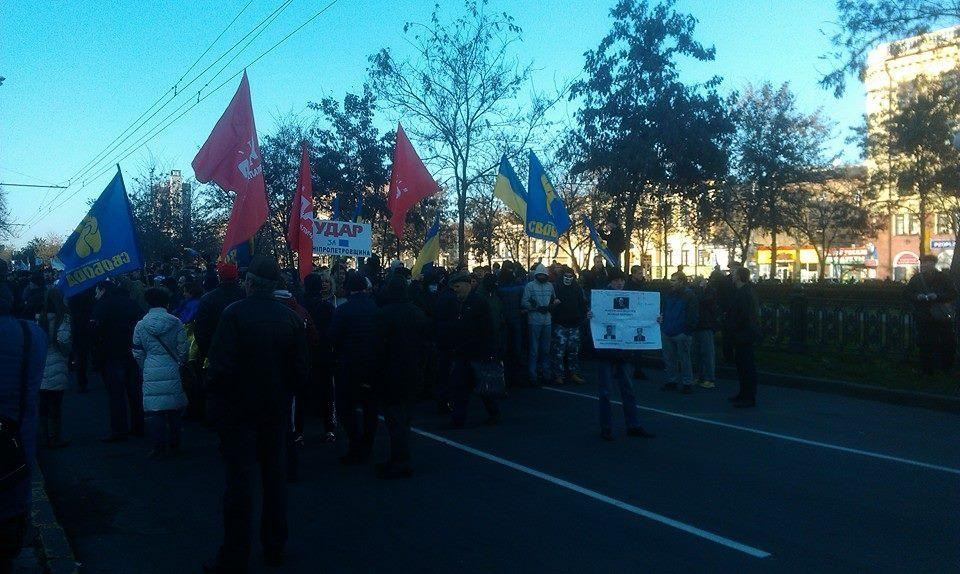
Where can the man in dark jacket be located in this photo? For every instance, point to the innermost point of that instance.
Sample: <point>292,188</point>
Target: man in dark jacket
<point>470,332</point>
<point>257,359</point>
<point>81,335</point>
<point>114,316</point>
<point>704,349</point>
<point>679,319</point>
<point>933,294</point>
<point>636,281</point>
<point>614,237</point>
<point>318,297</point>
<point>510,291</point>
<point>726,293</point>
<point>19,371</point>
<point>744,321</point>
<point>400,341</point>
<point>353,333</point>
<point>568,317</point>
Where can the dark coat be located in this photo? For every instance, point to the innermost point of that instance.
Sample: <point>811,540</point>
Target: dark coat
<point>709,317</point>
<point>937,282</point>
<point>400,338</point>
<point>114,317</point>
<point>353,333</point>
<point>744,316</point>
<point>321,311</point>
<point>258,358</point>
<point>510,295</point>
<point>572,310</point>
<point>209,312</point>
<point>469,328</point>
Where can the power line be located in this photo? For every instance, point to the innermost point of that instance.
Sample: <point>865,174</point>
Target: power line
<point>32,185</point>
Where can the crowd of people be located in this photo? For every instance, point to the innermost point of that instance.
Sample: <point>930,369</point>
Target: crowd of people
<point>255,356</point>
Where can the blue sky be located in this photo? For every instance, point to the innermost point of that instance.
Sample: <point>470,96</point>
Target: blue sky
<point>78,73</point>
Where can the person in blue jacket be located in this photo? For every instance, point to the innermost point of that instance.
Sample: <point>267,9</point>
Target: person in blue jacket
<point>679,319</point>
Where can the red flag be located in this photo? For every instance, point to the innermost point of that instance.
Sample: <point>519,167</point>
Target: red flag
<point>300,229</point>
<point>231,158</point>
<point>409,182</point>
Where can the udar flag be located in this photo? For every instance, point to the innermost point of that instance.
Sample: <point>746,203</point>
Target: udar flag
<point>547,216</point>
<point>103,245</point>
<point>509,189</point>
<point>231,158</point>
<point>409,182</point>
<point>300,229</point>
<point>431,248</point>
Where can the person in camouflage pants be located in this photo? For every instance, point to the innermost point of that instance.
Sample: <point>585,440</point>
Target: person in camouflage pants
<point>566,345</point>
<point>568,316</point>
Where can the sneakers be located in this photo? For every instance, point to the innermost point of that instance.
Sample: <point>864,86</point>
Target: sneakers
<point>708,385</point>
<point>669,387</point>
<point>577,379</point>
<point>640,432</point>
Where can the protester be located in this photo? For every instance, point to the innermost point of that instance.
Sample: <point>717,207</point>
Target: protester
<point>23,347</point>
<point>257,359</point>
<point>726,294</point>
<point>679,319</point>
<point>114,317</point>
<point>445,315</point>
<point>637,282</point>
<point>510,290</point>
<point>55,322</point>
<point>33,296</point>
<point>614,237</point>
<point>352,332</point>
<point>744,322</point>
<point>704,347</point>
<point>598,276</point>
<point>319,394</point>
<point>568,315</point>
<point>470,341</point>
<point>400,336</point>
<point>191,292</point>
<point>539,300</point>
<point>613,366</point>
<point>81,335</point>
<point>933,295</point>
<point>160,348</point>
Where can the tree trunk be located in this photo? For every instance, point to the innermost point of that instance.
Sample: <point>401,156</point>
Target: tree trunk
<point>461,227</point>
<point>924,234</point>
<point>773,253</point>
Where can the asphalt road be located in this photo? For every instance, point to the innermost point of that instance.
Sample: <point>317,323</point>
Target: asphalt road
<point>807,482</point>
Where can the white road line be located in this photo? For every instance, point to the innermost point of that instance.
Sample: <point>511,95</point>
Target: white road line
<point>789,438</point>
<point>755,552</point>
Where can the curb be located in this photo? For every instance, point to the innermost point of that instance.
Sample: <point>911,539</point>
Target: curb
<point>919,399</point>
<point>55,553</point>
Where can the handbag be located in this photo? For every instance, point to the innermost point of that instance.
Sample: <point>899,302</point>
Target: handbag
<point>13,458</point>
<point>188,378</point>
<point>489,378</point>
<point>939,312</point>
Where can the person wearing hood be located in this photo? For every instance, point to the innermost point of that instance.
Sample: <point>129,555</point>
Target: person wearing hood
<point>569,315</point>
<point>160,347</point>
<point>538,300</point>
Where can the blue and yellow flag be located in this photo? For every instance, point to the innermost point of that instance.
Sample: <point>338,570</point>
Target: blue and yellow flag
<point>547,216</point>
<point>431,248</point>
<point>103,245</point>
<point>509,189</point>
<point>601,248</point>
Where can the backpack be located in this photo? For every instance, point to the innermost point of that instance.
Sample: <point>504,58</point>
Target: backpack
<point>13,457</point>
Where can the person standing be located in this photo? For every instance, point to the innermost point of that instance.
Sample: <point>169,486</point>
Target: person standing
<point>613,235</point>
<point>613,367</point>
<point>160,347</point>
<point>745,325</point>
<point>114,317</point>
<point>23,347</point>
<point>569,315</point>
<point>637,282</point>
<point>81,335</point>
<point>205,322</point>
<point>510,291</point>
<point>257,358</point>
<point>539,300</point>
<point>353,333</point>
<point>726,293</point>
<point>401,336</point>
<point>933,294</point>
<point>319,302</point>
<point>677,322</point>
<point>55,322</point>
<point>704,348</point>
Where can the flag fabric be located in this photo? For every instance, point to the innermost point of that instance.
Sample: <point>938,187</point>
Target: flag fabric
<point>509,189</point>
<point>431,248</point>
<point>103,245</point>
<point>300,228</point>
<point>335,207</point>
<point>231,158</point>
<point>240,254</point>
<point>409,182</point>
<point>601,248</point>
<point>547,216</point>
<point>359,210</point>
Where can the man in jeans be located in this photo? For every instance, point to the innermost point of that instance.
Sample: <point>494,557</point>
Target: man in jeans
<point>538,300</point>
<point>677,322</point>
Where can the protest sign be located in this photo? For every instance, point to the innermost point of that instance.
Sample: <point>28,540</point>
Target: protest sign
<point>625,320</point>
<point>344,238</point>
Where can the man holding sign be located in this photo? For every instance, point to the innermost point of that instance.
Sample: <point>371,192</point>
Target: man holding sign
<point>616,317</point>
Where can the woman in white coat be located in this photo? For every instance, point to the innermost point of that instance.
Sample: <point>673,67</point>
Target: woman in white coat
<point>55,321</point>
<point>160,347</point>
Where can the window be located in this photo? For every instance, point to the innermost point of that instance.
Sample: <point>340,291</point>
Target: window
<point>944,226</point>
<point>906,224</point>
<point>899,224</point>
<point>914,224</point>
<point>669,257</point>
<point>685,257</point>
<point>703,258</point>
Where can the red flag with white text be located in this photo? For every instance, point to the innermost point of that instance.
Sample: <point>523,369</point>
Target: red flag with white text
<point>300,229</point>
<point>409,182</point>
<point>231,158</point>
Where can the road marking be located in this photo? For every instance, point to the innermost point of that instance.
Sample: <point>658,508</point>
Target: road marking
<point>733,544</point>
<point>785,437</point>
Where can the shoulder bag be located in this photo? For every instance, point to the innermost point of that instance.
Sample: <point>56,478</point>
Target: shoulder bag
<point>188,378</point>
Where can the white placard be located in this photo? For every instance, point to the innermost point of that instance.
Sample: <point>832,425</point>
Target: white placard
<point>625,320</point>
<point>344,238</point>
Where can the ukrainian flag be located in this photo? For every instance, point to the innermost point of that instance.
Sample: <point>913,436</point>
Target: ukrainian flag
<point>431,248</point>
<point>509,189</point>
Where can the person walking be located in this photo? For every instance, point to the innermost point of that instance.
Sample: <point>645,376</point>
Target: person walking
<point>539,300</point>
<point>160,348</point>
<point>704,347</point>
<point>745,325</point>
<point>569,315</point>
<point>353,334</point>
<point>114,317</point>
<point>401,335</point>
<point>55,322</point>
<point>677,322</point>
<point>257,358</point>
<point>933,295</point>
<point>612,366</point>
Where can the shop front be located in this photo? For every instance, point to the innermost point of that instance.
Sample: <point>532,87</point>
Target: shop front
<point>792,263</point>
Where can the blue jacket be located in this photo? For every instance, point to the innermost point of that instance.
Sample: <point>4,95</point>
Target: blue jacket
<point>17,500</point>
<point>680,312</point>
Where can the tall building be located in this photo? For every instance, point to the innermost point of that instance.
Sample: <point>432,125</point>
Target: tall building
<point>172,203</point>
<point>890,70</point>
